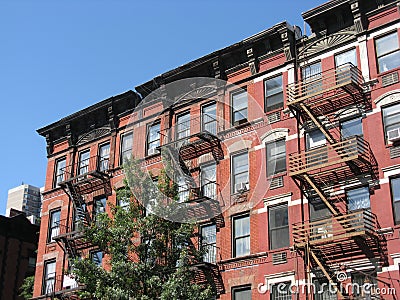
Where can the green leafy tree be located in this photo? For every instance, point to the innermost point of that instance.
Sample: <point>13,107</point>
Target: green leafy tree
<point>149,256</point>
<point>26,289</point>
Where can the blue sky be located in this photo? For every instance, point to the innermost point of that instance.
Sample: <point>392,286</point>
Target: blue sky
<point>57,57</point>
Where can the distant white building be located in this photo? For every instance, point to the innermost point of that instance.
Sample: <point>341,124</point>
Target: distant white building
<point>26,198</point>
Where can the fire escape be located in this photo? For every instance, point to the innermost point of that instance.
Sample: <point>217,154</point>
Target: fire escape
<point>328,243</point>
<point>79,181</point>
<point>183,144</point>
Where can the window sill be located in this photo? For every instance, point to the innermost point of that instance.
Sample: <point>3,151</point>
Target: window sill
<point>280,174</point>
<point>278,250</point>
<point>244,257</point>
<point>388,72</point>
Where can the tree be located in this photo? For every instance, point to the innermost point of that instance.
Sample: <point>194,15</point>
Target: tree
<point>26,289</point>
<point>149,256</point>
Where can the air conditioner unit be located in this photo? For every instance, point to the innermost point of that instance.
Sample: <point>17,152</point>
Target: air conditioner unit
<point>393,135</point>
<point>152,151</point>
<point>241,187</point>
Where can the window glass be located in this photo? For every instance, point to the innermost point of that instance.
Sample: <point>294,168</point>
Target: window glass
<point>281,291</point>
<point>60,171</point>
<point>311,79</point>
<point>183,190</point>
<point>388,52</point>
<point>153,138</point>
<point>183,126</point>
<point>54,229</point>
<point>391,118</point>
<point>273,93</point>
<point>242,293</point>
<point>241,236</point>
<point>395,184</point>
<point>209,242</point>
<point>318,209</point>
<point>49,277</point>
<point>209,118</point>
<point>97,258</point>
<point>84,158</point>
<point>351,128</point>
<point>239,107</point>
<point>99,206</point>
<point>346,57</point>
<point>358,198</point>
<point>276,157</point>
<point>323,291</point>
<point>315,139</point>
<point>104,157</point>
<point>208,180</point>
<point>240,169</point>
<point>278,226</point>
<point>126,147</point>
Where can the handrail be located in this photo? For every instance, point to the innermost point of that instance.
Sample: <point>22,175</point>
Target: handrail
<point>325,81</point>
<point>331,154</point>
<point>83,167</point>
<point>335,227</point>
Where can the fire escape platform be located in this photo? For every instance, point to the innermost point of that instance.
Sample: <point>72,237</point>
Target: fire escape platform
<point>346,156</point>
<point>336,229</point>
<point>329,90</point>
<point>89,182</point>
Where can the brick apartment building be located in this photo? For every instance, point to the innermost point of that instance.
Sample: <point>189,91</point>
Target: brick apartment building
<point>315,195</point>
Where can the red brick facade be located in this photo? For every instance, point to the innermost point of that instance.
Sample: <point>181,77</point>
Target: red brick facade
<point>361,242</point>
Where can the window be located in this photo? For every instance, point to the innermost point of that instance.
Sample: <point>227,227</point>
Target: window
<point>126,147</point>
<point>312,76</point>
<point>363,287</point>
<point>346,57</point>
<point>273,93</point>
<point>83,166</point>
<point>153,138</point>
<point>208,177</point>
<point>318,209</point>
<point>241,293</point>
<point>99,206</point>
<point>54,228</point>
<point>316,139</point>
<point>209,242</point>
<point>183,190</point>
<point>80,217</point>
<point>104,157</point>
<point>241,236</point>
<point>358,198</point>
<point>60,171</point>
<point>278,224</point>
<point>276,157</point>
<point>49,277</point>
<point>123,198</point>
<point>240,171</point>
<point>387,52</point>
<point>395,185</point>
<point>323,290</point>
<point>182,129</point>
<point>239,107</point>
<point>391,118</point>
<point>281,291</point>
<point>209,118</point>
<point>351,128</point>
<point>97,258</point>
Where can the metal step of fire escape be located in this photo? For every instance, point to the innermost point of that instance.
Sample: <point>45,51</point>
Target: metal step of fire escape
<point>178,165</point>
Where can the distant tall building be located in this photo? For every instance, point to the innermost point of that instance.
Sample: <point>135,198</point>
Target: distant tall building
<point>25,198</point>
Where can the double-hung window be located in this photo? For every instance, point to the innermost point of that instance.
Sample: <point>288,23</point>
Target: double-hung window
<point>239,107</point>
<point>104,157</point>
<point>83,166</point>
<point>391,121</point>
<point>54,228</point>
<point>352,127</point>
<point>276,157</point>
<point>395,185</point>
<point>241,293</point>
<point>97,258</point>
<point>153,138</point>
<point>344,70</point>
<point>60,171</point>
<point>312,79</point>
<point>182,129</point>
<point>241,235</point>
<point>49,277</point>
<point>278,224</point>
<point>208,180</point>
<point>273,93</point>
<point>281,291</point>
<point>99,206</point>
<point>240,172</point>
<point>387,52</point>
<point>209,242</point>
<point>126,147</point>
<point>209,118</point>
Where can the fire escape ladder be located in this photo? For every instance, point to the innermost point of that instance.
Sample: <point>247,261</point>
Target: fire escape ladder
<point>178,165</point>
<point>319,261</point>
<point>321,194</point>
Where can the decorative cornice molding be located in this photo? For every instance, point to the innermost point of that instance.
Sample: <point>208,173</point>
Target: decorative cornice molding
<point>93,135</point>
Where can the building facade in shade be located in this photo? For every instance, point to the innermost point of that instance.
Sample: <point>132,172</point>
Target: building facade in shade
<point>18,245</point>
<point>25,198</point>
<point>313,200</point>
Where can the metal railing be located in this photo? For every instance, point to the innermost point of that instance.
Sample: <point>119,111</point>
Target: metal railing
<point>83,167</point>
<point>354,148</point>
<point>337,227</point>
<point>181,132</point>
<point>211,252</point>
<point>318,84</point>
